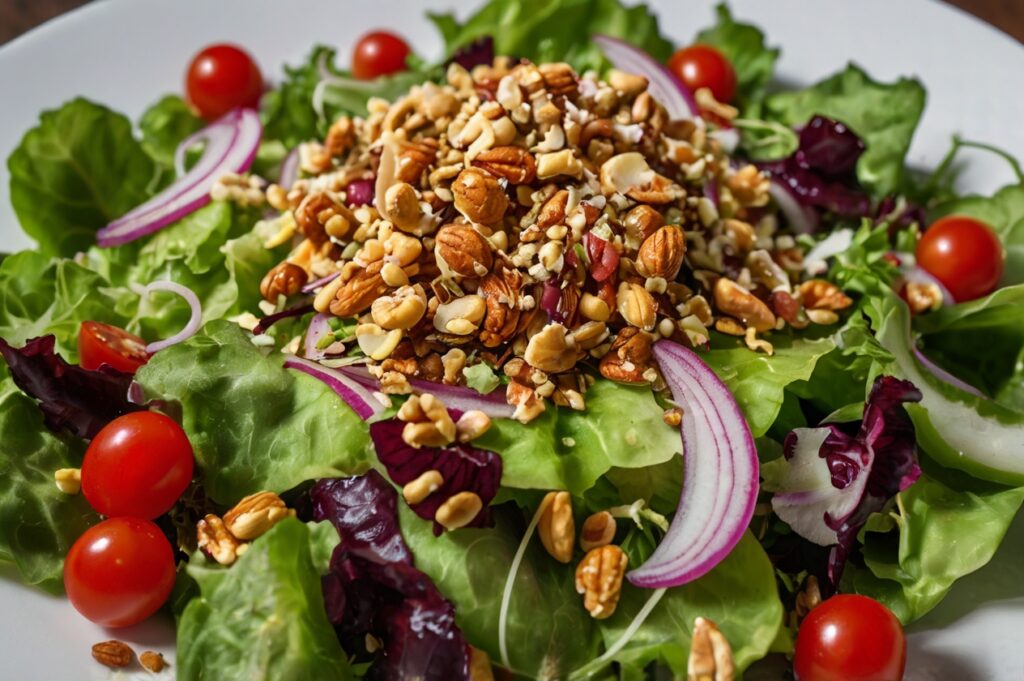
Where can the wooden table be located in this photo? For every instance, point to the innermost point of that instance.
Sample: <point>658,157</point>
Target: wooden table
<point>18,16</point>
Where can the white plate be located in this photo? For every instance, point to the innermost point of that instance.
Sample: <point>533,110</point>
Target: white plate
<point>126,54</point>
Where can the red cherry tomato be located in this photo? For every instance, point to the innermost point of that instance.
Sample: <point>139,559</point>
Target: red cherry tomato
<point>100,343</point>
<point>119,572</point>
<point>220,78</point>
<point>138,466</point>
<point>964,254</point>
<point>378,54</point>
<point>703,66</point>
<point>850,638</point>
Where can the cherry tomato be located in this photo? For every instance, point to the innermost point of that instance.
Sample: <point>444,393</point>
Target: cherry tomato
<point>964,254</point>
<point>703,66</point>
<point>100,343</point>
<point>119,572</point>
<point>138,466</point>
<point>850,638</point>
<point>378,54</point>
<point>220,78</point>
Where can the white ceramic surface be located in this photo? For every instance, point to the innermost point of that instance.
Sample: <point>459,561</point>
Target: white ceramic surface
<point>125,54</point>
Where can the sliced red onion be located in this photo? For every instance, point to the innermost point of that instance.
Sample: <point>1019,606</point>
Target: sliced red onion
<point>314,285</point>
<point>294,311</point>
<point>802,219</point>
<point>550,299</point>
<point>194,322</point>
<point>455,397</point>
<point>318,328</point>
<point>662,84</point>
<point>721,481</point>
<point>917,275</point>
<point>944,376</point>
<point>289,169</point>
<point>231,144</point>
<point>711,191</point>
<point>352,392</point>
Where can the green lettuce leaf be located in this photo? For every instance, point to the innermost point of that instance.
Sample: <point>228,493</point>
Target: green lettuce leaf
<point>744,46</point>
<point>263,619</point>
<point>910,566</point>
<point>758,381</point>
<point>254,425</point>
<point>38,522</point>
<point>164,125</point>
<point>885,115</point>
<point>565,449</point>
<point>1004,212</point>
<point>80,168</point>
<point>555,30</point>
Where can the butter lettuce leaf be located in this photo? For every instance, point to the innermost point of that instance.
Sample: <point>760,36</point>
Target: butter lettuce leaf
<point>253,424</point>
<point>164,125</point>
<point>263,619</point>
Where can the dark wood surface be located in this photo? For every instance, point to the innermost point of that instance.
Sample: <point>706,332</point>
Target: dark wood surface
<point>18,16</point>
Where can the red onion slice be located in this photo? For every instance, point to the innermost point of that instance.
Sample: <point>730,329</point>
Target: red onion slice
<point>318,327</point>
<point>352,392</point>
<point>455,397</point>
<point>662,84</point>
<point>231,144</point>
<point>802,219</point>
<point>721,481</point>
<point>194,322</point>
<point>289,169</point>
<point>314,285</point>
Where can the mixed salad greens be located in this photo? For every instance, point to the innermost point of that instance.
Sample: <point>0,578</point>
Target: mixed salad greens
<point>879,434</point>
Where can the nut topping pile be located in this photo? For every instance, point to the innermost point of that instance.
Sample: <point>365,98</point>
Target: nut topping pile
<point>540,221</point>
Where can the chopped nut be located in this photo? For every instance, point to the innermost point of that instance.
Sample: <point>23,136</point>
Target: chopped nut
<point>628,84</point>
<point>479,197</point>
<point>357,293</point>
<point>453,362</point>
<point>113,654</point>
<point>672,417</point>
<point>598,530</point>
<point>471,425</point>
<point>818,294</point>
<point>556,527</point>
<point>553,211</point>
<point>552,349</point>
<point>749,186</point>
<point>501,293</point>
<point>422,487</point>
<point>479,665</point>
<point>152,662</point>
<point>636,306</point>
<point>461,316</point>
<point>514,164</point>
<point>733,299</point>
<point>808,598</point>
<point>462,250</point>
<point>69,480</point>
<point>255,515</point>
<point>459,510</point>
<point>559,78</point>
<point>630,174</point>
<point>558,163</point>
<point>594,308</point>
<point>599,579</point>
<point>428,423</point>
<point>922,297</point>
<point>641,222</point>
<point>215,541</point>
<point>710,654</point>
<point>402,207</point>
<point>823,317</point>
<point>401,310</point>
<point>285,279</point>
<point>628,358</point>
<point>378,343</point>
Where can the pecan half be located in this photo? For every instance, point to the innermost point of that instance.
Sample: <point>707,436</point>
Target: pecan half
<point>285,279</point>
<point>734,300</point>
<point>254,515</point>
<point>479,197</point>
<point>500,291</point>
<point>710,654</point>
<point>463,250</point>
<point>514,164</point>
<point>553,211</point>
<point>662,253</point>
<point>413,158</point>
<point>629,357</point>
<point>819,294</point>
<point>556,527</point>
<point>215,541</point>
<point>599,579</point>
<point>559,78</point>
<point>315,211</point>
<point>359,292</point>
<point>113,654</point>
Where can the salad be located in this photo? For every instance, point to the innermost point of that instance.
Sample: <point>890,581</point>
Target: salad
<point>577,355</point>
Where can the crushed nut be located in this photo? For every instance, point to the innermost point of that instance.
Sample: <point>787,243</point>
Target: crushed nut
<point>737,301</point>
<point>598,530</point>
<point>428,423</point>
<point>214,539</point>
<point>113,654</point>
<point>922,297</point>
<point>69,480</point>
<point>459,510</point>
<point>254,515</point>
<point>152,662</point>
<point>599,579</point>
<point>471,425</point>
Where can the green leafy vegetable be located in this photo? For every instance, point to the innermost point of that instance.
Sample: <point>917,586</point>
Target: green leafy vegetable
<point>885,116</point>
<point>164,125</point>
<point>264,618</point>
<point>555,30</point>
<point>758,381</point>
<point>254,425</point>
<point>76,171</point>
<point>38,522</point>
<point>564,449</point>
<point>932,517</point>
<point>744,46</point>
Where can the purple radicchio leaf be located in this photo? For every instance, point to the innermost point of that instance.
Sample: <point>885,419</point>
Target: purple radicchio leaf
<point>294,311</point>
<point>373,588</point>
<point>480,52</point>
<point>829,148</point>
<point>836,480</point>
<point>462,467</point>
<point>71,398</point>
